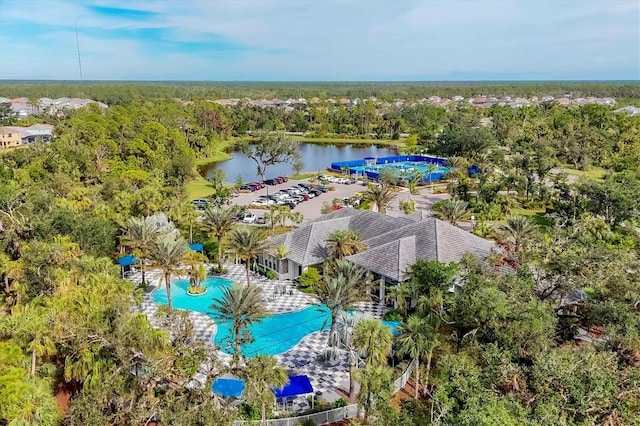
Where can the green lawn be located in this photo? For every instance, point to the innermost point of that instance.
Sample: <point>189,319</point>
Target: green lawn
<point>537,215</point>
<point>351,141</point>
<point>218,156</point>
<point>199,188</point>
<point>593,173</point>
<point>302,176</point>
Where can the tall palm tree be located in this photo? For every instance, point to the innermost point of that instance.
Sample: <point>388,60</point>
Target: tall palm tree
<point>413,341</point>
<point>341,243</point>
<point>168,252</point>
<point>248,243</point>
<point>219,221</point>
<point>414,180</point>
<point>340,290</point>
<point>380,195</point>
<point>240,306</point>
<point>32,329</point>
<point>139,234</point>
<point>262,374</point>
<point>451,210</point>
<point>431,167</point>
<point>372,337</point>
<point>376,388</point>
<point>517,233</point>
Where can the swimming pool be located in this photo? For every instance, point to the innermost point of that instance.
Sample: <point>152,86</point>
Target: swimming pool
<point>180,299</point>
<point>273,335</point>
<point>405,169</point>
<point>405,166</point>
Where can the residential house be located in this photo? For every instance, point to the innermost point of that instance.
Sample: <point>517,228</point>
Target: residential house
<point>11,136</point>
<point>393,245</point>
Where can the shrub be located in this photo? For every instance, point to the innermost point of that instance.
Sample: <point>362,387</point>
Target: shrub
<point>393,315</point>
<point>340,403</point>
<point>407,206</point>
<point>210,248</point>
<point>272,275</point>
<point>310,278</point>
<point>196,289</point>
<point>331,188</point>
<point>214,270</point>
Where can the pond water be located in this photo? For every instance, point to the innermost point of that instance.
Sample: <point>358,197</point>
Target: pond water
<point>316,157</point>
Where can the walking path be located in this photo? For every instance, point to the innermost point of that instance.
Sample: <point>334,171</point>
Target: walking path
<point>302,358</point>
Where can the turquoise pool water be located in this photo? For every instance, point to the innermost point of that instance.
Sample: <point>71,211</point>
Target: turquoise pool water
<point>273,335</point>
<point>278,333</point>
<point>181,300</point>
<point>405,169</point>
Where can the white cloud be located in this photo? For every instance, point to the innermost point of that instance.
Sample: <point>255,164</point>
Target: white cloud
<point>334,39</point>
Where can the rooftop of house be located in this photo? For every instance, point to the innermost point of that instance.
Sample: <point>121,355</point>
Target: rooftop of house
<point>35,130</point>
<point>392,243</point>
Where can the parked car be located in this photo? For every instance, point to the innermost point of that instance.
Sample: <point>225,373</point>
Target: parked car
<point>322,188</point>
<point>260,220</point>
<point>315,192</point>
<point>256,185</point>
<point>278,179</point>
<point>304,185</point>
<point>270,182</point>
<point>297,199</point>
<point>284,178</point>
<point>247,188</point>
<point>200,203</point>
<point>305,196</point>
<point>249,217</point>
<point>290,205</point>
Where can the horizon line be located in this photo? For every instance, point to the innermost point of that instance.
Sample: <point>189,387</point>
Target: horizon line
<point>85,81</point>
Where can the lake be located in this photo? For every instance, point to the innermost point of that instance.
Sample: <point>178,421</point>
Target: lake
<point>316,157</point>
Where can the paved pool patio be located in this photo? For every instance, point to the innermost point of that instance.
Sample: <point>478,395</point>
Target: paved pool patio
<point>302,358</point>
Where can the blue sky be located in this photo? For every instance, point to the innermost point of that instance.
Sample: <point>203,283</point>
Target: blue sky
<point>321,40</point>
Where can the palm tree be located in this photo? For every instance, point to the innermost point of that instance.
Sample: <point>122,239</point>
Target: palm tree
<point>430,169</point>
<point>376,388</point>
<point>241,306</point>
<point>518,232</point>
<point>380,195</point>
<point>139,234</point>
<point>451,210</point>
<point>340,290</point>
<point>248,243</point>
<point>414,180</point>
<point>372,337</point>
<point>343,243</point>
<point>262,374</point>
<point>219,221</point>
<point>413,341</point>
<point>167,252</point>
<point>32,328</point>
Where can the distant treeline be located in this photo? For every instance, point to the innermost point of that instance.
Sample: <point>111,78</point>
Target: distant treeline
<point>119,92</point>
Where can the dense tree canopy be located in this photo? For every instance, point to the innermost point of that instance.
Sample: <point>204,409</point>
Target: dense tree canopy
<point>494,340</point>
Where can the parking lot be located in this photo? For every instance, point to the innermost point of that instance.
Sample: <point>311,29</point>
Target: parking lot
<point>310,209</point>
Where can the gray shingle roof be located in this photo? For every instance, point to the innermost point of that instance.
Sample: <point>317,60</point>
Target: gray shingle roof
<point>391,259</point>
<point>392,243</point>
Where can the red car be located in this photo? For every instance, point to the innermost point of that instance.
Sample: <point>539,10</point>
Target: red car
<point>256,185</point>
<point>305,196</point>
<point>284,178</point>
<point>278,179</point>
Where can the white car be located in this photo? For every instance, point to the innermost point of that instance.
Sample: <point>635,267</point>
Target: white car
<point>249,218</point>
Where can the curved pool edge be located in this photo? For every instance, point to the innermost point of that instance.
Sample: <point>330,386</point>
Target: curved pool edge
<point>213,343</point>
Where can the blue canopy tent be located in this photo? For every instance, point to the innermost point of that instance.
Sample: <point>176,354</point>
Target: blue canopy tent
<point>126,262</point>
<point>297,385</point>
<point>228,388</point>
<point>196,247</point>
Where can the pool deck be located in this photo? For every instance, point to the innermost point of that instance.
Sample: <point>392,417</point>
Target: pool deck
<point>301,359</point>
